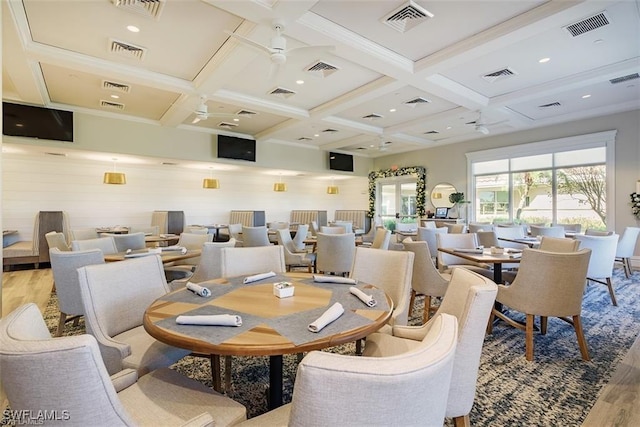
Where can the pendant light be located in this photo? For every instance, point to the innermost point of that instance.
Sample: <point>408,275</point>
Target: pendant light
<point>280,186</point>
<point>333,189</point>
<point>211,183</point>
<point>117,178</point>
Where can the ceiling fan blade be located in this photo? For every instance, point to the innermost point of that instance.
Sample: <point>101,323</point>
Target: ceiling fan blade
<point>249,42</point>
<point>196,120</point>
<point>307,50</point>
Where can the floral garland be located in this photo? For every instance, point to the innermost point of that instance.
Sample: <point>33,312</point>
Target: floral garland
<point>419,171</point>
<point>635,204</point>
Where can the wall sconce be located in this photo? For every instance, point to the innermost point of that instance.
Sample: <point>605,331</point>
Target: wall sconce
<point>437,195</point>
<point>117,178</point>
<point>333,189</point>
<point>211,183</point>
<point>280,186</point>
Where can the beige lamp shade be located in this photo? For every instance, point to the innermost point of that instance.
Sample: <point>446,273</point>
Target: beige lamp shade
<point>279,186</point>
<point>114,178</point>
<point>211,183</point>
<point>333,189</point>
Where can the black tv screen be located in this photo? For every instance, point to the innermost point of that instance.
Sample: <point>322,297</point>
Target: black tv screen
<point>37,122</point>
<point>230,147</point>
<point>340,162</point>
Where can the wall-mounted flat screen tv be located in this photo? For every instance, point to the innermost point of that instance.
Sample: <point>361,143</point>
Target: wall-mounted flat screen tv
<point>37,122</point>
<point>231,147</point>
<point>340,162</point>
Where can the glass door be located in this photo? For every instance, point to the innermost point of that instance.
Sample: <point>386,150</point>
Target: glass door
<point>397,202</point>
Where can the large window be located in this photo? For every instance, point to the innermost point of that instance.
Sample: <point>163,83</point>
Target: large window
<point>560,181</point>
<point>397,198</point>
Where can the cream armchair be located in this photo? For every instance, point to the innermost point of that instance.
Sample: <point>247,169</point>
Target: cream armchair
<point>408,389</point>
<point>470,298</point>
<point>114,298</point>
<point>603,257</point>
<point>291,257</point>
<point>71,380</point>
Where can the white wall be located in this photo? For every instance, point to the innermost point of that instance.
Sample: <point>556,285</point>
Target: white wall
<point>37,182</point>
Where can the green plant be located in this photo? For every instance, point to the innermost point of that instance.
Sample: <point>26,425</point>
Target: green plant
<point>456,198</point>
<point>390,224</point>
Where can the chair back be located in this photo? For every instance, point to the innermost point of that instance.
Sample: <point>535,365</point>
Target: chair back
<point>474,227</point>
<point>381,239</point>
<point>193,241</point>
<point>594,232</point>
<point>313,226</point>
<point>115,296</point>
<point>76,381</point>
<point>549,284</point>
<point>570,228</point>
<point>196,229</point>
<point>210,265</point>
<point>131,241</point>
<point>153,230</point>
<point>388,381</point>
<point>541,230</point>
<point>429,235</point>
<point>335,252</point>
<point>627,242</point>
<point>458,241</point>
<point>337,229</point>
<point>347,225</point>
<point>57,240</point>
<point>470,298</point>
<point>487,239</point>
<point>235,232</point>
<point>64,266</point>
<point>558,244</point>
<point>84,234</point>
<point>456,228</point>
<point>427,224</point>
<point>510,232</point>
<point>390,271</point>
<point>603,254</point>
<point>425,279</point>
<point>106,244</point>
<point>252,260</point>
<point>300,237</point>
<point>255,236</point>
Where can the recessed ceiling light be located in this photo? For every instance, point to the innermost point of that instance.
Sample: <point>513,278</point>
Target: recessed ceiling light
<point>586,96</point>
<point>300,82</point>
<point>543,60</point>
<point>598,41</point>
<point>316,135</point>
<point>133,28</point>
<point>393,110</point>
<point>236,120</point>
<point>115,96</point>
<point>448,127</point>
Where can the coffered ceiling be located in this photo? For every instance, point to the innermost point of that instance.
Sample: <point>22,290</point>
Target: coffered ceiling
<point>369,78</point>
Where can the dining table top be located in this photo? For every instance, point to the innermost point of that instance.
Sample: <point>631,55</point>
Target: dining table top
<point>167,256</point>
<point>486,256</point>
<point>270,325</point>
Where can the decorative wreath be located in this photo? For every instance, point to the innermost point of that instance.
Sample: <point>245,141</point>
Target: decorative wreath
<point>419,171</point>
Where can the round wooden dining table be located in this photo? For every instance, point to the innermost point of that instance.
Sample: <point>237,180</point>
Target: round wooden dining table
<point>271,326</point>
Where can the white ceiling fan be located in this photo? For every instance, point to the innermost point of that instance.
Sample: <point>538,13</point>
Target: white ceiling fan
<point>277,48</point>
<point>481,126</point>
<point>202,112</point>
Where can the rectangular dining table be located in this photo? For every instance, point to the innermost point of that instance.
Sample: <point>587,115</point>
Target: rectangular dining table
<point>271,326</point>
<point>486,257</point>
<point>166,256</point>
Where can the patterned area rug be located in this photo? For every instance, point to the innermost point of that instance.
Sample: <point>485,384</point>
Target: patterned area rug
<point>557,388</point>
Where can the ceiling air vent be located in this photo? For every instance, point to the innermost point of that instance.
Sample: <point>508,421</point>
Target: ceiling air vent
<point>550,105</point>
<point>227,125</point>
<point>321,69</point>
<point>431,132</point>
<point>126,49</point>
<point>329,130</point>
<point>406,17</point>
<point>148,8</point>
<point>116,87</point>
<point>416,101</point>
<point>282,92</point>
<point>624,78</point>
<point>49,153</point>
<point>372,116</point>
<point>499,75</point>
<point>246,113</point>
<point>304,138</point>
<point>112,105</point>
<point>586,25</point>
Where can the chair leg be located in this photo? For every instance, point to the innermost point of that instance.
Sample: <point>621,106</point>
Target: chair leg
<point>492,318</point>
<point>611,291</point>
<point>529,337</point>
<point>626,264</point>
<point>412,301</point>
<point>462,421</point>
<point>427,309</point>
<point>543,324</point>
<point>61,322</point>
<point>215,372</point>
<point>582,342</point>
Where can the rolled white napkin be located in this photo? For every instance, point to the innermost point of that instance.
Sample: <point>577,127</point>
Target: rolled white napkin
<point>210,320</point>
<point>257,277</point>
<point>200,290</point>
<point>138,254</point>
<point>334,279</point>
<point>367,299</point>
<point>180,249</point>
<point>327,317</point>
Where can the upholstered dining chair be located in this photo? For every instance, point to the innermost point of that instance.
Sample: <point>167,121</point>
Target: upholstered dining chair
<point>459,241</point>
<point>548,284</point>
<point>426,279</point>
<point>368,237</point>
<point>252,260</point>
<point>292,257</point>
<point>185,268</point>
<point>456,228</point>
<point>626,247</point>
<point>106,244</point>
<point>347,225</point>
<point>541,230</point>
<point>381,239</point>
<point>470,298</point>
<point>71,380</point>
<point>84,234</point>
<point>337,229</point>
<point>209,267</point>
<point>390,271</point>
<point>255,236</point>
<point>594,232</point>
<point>64,266</point>
<point>602,261</point>
<point>300,237</point>
<point>510,232</point>
<point>408,389</point>
<point>235,232</point>
<point>131,241</point>
<point>558,244</point>
<point>314,228</point>
<point>335,252</point>
<point>57,240</point>
<point>429,235</point>
<point>570,228</point>
<point>114,297</point>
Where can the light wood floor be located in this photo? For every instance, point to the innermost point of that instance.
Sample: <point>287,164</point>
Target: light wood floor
<point>618,404</point>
